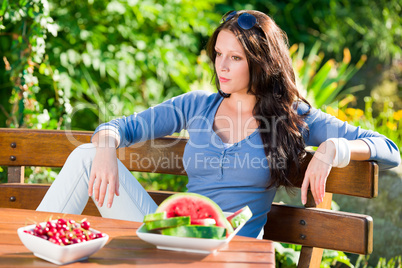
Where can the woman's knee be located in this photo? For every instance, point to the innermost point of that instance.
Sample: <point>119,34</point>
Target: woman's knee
<point>84,152</point>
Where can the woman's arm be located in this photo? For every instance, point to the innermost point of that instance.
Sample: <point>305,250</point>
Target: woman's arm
<point>104,169</point>
<point>321,164</point>
<point>164,119</point>
<point>363,145</point>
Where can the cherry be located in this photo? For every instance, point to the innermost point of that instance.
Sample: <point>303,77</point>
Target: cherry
<point>65,241</point>
<point>56,241</point>
<point>61,233</point>
<point>85,225</point>
<point>75,241</point>
<point>77,232</point>
<point>62,221</point>
<point>39,230</point>
<point>51,232</point>
<point>83,237</point>
<point>50,225</point>
<point>100,235</point>
<point>69,235</point>
<point>44,237</point>
<point>91,235</point>
<point>60,226</point>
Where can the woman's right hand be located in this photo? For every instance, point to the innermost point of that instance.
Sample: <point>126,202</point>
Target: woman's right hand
<point>104,172</point>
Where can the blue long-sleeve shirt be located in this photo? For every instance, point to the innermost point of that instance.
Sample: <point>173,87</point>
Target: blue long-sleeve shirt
<point>239,175</point>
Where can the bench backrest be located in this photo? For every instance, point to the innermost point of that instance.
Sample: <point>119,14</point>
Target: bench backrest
<point>311,227</point>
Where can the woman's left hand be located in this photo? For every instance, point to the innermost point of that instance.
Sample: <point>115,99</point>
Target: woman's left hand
<point>317,172</point>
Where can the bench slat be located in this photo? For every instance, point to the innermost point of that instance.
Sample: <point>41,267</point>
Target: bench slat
<point>323,228</point>
<point>51,148</point>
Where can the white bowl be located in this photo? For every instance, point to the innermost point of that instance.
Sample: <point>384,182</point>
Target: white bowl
<point>60,254</point>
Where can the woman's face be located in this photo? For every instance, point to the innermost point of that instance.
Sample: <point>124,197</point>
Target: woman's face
<point>231,64</point>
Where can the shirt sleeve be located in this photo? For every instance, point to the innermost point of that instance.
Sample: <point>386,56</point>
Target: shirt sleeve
<point>163,119</point>
<point>323,126</point>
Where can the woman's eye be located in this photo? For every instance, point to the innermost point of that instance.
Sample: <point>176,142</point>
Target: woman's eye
<point>218,53</point>
<point>236,58</point>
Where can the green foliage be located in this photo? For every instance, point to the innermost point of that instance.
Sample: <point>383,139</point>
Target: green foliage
<point>40,174</point>
<point>113,58</point>
<point>362,262</point>
<point>331,258</point>
<point>162,182</point>
<point>3,174</point>
<point>371,27</point>
<point>324,82</point>
<point>387,122</point>
<point>24,28</point>
<point>287,256</point>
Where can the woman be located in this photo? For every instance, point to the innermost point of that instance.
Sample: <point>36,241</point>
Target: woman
<point>242,140</point>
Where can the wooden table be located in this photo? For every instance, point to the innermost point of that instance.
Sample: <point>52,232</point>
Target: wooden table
<point>124,248</point>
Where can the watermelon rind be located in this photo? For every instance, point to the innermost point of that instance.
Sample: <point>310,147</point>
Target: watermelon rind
<point>155,216</point>
<point>239,217</point>
<point>167,223</point>
<point>196,231</point>
<point>214,211</point>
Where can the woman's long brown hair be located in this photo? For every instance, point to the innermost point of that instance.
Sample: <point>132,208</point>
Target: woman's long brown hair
<point>272,81</point>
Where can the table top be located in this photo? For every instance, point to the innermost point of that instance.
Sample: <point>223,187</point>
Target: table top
<point>124,248</point>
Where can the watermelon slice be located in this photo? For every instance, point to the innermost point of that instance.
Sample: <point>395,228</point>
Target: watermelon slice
<point>196,206</point>
<point>240,216</point>
<point>166,223</point>
<point>155,216</point>
<point>211,232</point>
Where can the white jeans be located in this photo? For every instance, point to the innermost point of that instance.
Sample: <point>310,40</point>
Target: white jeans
<point>69,192</point>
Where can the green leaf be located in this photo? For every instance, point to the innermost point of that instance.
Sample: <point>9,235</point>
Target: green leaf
<point>320,77</point>
<point>3,8</point>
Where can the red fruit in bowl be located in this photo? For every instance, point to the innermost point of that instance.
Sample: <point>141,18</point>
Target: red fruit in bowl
<point>77,232</point>
<point>76,240</point>
<point>59,251</point>
<point>61,233</point>
<point>43,237</point>
<point>39,230</point>
<point>51,225</point>
<point>69,235</point>
<point>62,221</point>
<point>56,241</point>
<point>52,232</point>
<point>91,235</point>
<point>60,226</point>
<point>85,225</point>
<point>65,241</point>
<point>100,235</point>
<point>65,231</point>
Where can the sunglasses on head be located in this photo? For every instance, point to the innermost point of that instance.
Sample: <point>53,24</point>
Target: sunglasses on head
<point>246,21</point>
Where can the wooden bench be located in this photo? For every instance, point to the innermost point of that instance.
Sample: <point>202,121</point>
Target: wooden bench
<point>315,228</point>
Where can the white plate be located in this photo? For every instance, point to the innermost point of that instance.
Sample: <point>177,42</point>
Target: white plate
<point>189,244</point>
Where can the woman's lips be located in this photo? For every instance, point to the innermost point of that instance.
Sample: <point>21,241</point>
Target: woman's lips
<point>223,79</point>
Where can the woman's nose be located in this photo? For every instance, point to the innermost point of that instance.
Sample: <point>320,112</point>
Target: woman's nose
<point>224,66</point>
